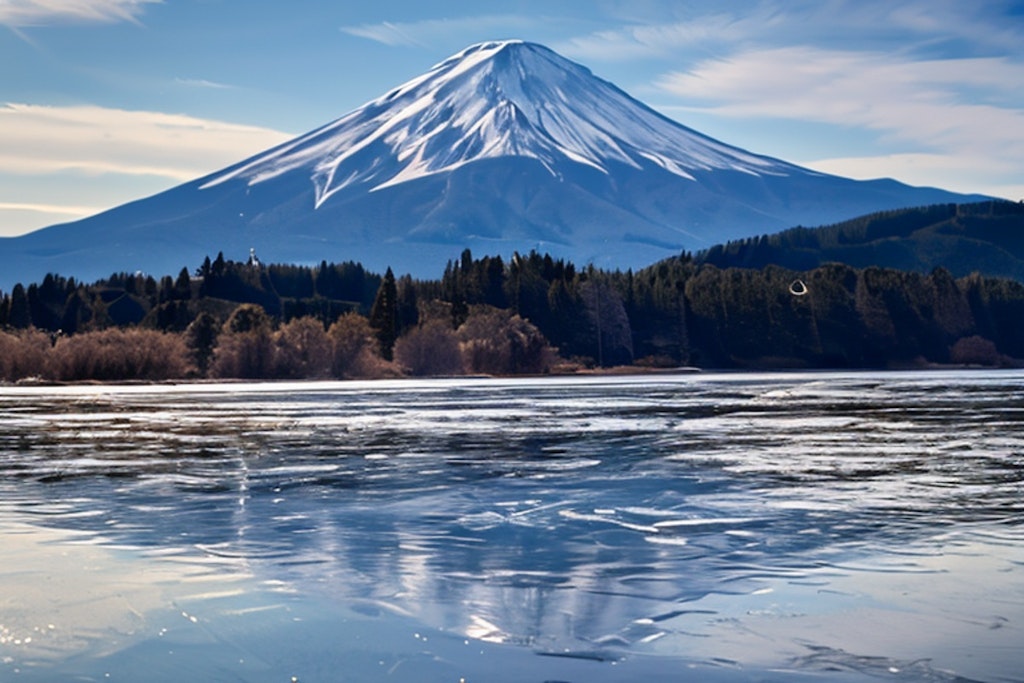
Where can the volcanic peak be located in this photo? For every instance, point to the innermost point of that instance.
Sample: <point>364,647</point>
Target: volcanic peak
<point>491,100</point>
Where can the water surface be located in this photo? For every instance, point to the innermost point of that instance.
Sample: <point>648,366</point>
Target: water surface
<point>736,527</point>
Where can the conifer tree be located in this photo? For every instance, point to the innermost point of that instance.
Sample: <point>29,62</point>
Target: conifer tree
<point>384,315</point>
<point>201,338</point>
<point>406,306</point>
<point>166,292</point>
<point>183,285</point>
<point>19,316</point>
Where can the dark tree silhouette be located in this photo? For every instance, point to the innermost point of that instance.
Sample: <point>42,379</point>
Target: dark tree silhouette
<point>384,315</point>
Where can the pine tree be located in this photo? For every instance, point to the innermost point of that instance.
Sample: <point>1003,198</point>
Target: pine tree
<point>201,338</point>
<point>384,315</point>
<point>183,285</point>
<point>19,316</point>
<point>407,307</point>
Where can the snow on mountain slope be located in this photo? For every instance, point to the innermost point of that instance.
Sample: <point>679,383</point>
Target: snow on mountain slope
<point>499,99</point>
<point>505,146</point>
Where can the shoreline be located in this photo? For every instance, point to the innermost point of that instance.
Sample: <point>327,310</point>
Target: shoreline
<point>618,371</point>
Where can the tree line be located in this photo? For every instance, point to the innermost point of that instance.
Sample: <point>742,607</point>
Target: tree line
<point>529,314</point>
<point>986,237</point>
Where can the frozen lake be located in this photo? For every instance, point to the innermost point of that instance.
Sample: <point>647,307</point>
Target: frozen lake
<point>709,527</point>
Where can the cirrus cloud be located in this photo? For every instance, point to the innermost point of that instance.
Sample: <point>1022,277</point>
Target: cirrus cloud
<point>957,172</point>
<point>918,102</point>
<point>761,24</point>
<point>58,209</point>
<point>42,139</point>
<point>427,31</point>
<point>38,12</point>
<point>100,157</point>
<point>938,118</point>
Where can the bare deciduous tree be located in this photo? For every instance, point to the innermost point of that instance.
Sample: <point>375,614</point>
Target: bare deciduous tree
<point>24,354</point>
<point>429,349</point>
<point>120,354</point>
<point>496,341</point>
<point>354,348</point>
<point>302,350</point>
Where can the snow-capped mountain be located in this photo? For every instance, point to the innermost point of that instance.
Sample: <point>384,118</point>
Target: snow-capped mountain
<point>492,101</point>
<point>505,146</point>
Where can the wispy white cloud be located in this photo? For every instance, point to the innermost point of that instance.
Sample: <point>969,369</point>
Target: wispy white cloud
<point>88,139</point>
<point>960,173</point>
<point>18,218</point>
<point>430,31</point>
<point>58,209</point>
<point>666,39</point>
<point>917,102</point>
<point>930,87</point>
<point>107,157</point>
<point>202,83</point>
<point>385,32</point>
<point>37,12</point>
<point>679,30</point>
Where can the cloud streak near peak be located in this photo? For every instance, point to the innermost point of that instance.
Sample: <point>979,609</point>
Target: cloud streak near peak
<point>41,12</point>
<point>425,32</point>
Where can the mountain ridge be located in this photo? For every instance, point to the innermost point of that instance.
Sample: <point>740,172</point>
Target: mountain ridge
<point>985,237</point>
<point>505,146</point>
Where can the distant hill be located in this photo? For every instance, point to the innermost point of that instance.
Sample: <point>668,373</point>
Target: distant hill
<point>984,237</point>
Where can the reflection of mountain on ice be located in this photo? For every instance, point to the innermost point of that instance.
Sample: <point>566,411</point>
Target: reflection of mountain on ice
<point>613,517</point>
<point>505,146</point>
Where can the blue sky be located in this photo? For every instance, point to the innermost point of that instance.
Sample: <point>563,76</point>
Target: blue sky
<point>106,101</point>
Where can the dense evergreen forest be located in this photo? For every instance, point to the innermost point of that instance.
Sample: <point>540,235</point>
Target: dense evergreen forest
<point>985,237</point>
<point>530,314</point>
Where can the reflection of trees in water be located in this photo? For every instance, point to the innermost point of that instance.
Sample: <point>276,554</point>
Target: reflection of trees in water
<point>459,557</point>
<point>528,513</point>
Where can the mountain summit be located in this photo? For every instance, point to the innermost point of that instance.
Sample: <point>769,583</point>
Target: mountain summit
<point>505,146</point>
<point>491,101</point>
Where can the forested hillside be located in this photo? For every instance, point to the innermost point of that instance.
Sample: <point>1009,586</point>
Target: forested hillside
<point>532,314</point>
<point>987,237</point>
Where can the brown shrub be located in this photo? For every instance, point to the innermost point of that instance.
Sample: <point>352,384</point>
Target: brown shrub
<point>244,355</point>
<point>429,349</point>
<point>497,342</point>
<point>302,350</point>
<point>121,354</point>
<point>974,350</point>
<point>248,318</point>
<point>354,349</point>
<point>24,354</point>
